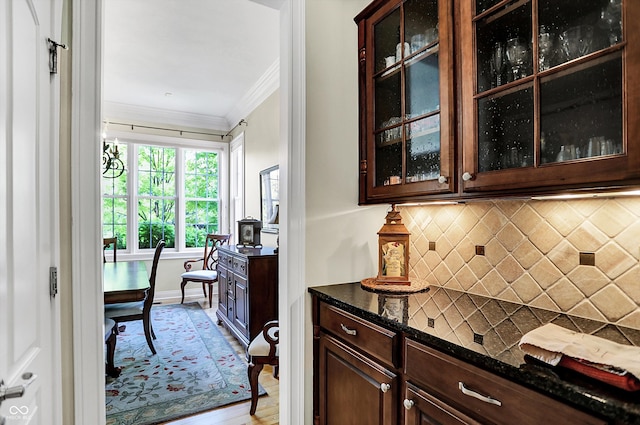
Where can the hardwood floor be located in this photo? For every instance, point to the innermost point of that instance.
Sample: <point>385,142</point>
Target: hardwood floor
<point>267,412</point>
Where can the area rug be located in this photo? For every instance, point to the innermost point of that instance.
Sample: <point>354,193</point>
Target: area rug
<point>195,369</point>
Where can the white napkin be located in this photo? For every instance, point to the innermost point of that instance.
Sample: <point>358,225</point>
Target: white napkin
<point>550,342</point>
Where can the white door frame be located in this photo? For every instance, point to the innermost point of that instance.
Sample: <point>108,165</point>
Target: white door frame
<point>295,397</point>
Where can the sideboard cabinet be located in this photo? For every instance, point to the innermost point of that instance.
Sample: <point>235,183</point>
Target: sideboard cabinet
<point>531,97</point>
<point>247,290</point>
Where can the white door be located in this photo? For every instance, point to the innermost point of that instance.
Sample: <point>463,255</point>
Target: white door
<point>29,316</point>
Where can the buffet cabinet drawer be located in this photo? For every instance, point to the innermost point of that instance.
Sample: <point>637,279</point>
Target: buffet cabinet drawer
<point>239,266</point>
<point>374,340</point>
<point>481,394</point>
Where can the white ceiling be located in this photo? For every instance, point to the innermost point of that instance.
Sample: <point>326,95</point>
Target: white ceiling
<point>200,63</point>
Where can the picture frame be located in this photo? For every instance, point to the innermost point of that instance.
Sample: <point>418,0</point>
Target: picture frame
<point>270,198</point>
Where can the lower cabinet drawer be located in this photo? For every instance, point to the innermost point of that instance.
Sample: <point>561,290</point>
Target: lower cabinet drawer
<point>375,340</point>
<point>483,395</point>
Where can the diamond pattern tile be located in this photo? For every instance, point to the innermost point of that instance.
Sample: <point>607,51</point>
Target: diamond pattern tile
<point>495,327</point>
<point>532,253</point>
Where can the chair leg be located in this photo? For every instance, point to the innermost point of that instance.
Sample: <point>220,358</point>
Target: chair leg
<point>111,369</point>
<point>182,285</point>
<point>204,291</point>
<point>210,294</point>
<point>146,324</point>
<point>253,371</point>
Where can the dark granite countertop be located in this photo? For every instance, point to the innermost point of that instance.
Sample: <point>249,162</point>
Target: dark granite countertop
<point>485,332</point>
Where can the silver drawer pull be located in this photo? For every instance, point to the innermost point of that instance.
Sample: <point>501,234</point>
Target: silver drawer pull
<point>347,330</point>
<point>408,404</point>
<point>384,387</point>
<point>485,398</point>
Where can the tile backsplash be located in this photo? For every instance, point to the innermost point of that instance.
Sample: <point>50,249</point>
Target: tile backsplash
<point>580,257</point>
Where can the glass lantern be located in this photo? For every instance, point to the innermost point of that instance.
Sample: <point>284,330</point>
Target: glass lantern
<point>393,251</point>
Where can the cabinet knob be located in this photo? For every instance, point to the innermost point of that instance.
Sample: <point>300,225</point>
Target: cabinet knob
<point>442,179</point>
<point>384,387</point>
<point>408,404</point>
<point>467,176</point>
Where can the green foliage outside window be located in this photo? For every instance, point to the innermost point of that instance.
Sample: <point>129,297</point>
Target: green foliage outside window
<point>201,196</point>
<point>156,195</point>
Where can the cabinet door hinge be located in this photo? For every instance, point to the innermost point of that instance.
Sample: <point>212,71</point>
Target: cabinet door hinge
<point>53,281</point>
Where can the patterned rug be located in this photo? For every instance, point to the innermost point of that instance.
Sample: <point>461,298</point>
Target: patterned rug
<point>195,369</point>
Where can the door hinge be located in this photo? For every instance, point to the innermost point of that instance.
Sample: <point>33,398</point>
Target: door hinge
<point>53,281</point>
<point>53,55</point>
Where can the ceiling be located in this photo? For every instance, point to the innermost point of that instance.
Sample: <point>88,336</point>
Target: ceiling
<point>197,63</point>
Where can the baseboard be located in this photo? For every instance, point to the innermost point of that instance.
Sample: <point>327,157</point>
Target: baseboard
<point>193,294</point>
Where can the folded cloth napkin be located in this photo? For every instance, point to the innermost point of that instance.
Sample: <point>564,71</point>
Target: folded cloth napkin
<point>605,360</point>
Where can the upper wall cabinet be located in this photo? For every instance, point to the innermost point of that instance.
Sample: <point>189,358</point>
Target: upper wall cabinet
<point>534,96</point>
<point>550,94</point>
<point>406,99</point>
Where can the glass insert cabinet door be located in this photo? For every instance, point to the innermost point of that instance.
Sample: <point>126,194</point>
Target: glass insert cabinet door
<point>405,83</point>
<point>544,100</point>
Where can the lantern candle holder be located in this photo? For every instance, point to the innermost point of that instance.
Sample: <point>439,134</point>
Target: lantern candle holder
<point>393,251</point>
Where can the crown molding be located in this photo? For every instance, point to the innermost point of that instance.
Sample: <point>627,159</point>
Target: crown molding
<point>113,111</point>
<point>261,90</point>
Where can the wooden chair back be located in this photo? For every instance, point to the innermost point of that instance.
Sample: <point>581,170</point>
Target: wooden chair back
<point>106,243</point>
<point>148,301</point>
<point>211,245</point>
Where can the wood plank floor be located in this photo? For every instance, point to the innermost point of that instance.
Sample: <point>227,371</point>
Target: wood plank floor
<point>267,412</point>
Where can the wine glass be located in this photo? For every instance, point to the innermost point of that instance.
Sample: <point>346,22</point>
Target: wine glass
<point>611,21</point>
<point>497,63</point>
<point>516,54</point>
<point>545,48</point>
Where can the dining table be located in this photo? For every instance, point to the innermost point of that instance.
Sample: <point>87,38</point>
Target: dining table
<point>125,281</point>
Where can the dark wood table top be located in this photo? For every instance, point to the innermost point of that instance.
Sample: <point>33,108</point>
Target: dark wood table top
<point>125,281</point>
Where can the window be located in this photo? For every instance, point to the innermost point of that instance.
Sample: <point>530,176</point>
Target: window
<point>166,192</point>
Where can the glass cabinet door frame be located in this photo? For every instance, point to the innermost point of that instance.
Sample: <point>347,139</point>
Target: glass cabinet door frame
<point>580,173</point>
<point>369,191</point>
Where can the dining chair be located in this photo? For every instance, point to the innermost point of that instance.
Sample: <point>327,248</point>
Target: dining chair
<point>208,275</point>
<point>109,330</point>
<point>139,310</point>
<point>262,350</point>
<point>106,243</point>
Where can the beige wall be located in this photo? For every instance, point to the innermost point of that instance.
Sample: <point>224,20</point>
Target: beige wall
<point>64,274</point>
<point>261,150</point>
<point>341,239</point>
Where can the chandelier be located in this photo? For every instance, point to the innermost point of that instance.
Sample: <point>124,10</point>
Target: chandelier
<point>112,165</point>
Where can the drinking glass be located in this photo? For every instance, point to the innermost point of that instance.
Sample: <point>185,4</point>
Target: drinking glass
<point>611,21</point>
<point>516,54</point>
<point>576,41</point>
<point>497,64</point>
<point>545,48</point>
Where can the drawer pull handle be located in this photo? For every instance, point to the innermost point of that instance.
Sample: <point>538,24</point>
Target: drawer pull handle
<point>485,398</point>
<point>408,404</point>
<point>347,330</point>
<point>384,387</point>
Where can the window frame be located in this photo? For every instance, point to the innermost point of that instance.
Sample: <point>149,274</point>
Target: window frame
<point>133,141</point>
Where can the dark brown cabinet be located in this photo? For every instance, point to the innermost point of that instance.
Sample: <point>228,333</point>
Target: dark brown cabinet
<point>356,389</point>
<point>473,394</point>
<point>406,99</point>
<point>248,290</point>
<point>367,374</point>
<point>548,92</point>
<point>466,99</point>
